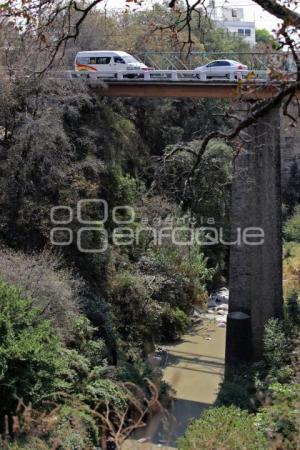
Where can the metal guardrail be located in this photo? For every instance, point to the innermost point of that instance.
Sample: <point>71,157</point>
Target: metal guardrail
<point>169,75</point>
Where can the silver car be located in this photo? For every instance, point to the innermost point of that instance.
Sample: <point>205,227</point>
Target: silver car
<point>223,68</point>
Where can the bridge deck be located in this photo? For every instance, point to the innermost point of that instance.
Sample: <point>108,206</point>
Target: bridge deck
<point>180,89</point>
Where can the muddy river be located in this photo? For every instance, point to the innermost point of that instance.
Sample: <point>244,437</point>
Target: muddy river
<point>194,369</point>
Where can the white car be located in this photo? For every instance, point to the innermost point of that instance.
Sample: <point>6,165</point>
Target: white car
<point>107,63</point>
<point>225,68</point>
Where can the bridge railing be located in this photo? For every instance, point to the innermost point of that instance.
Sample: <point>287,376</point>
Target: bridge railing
<point>168,75</point>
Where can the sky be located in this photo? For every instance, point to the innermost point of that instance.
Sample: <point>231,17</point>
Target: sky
<point>252,12</point>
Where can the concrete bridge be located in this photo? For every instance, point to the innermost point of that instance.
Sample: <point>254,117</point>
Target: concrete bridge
<point>254,84</point>
<point>185,89</point>
<point>255,270</point>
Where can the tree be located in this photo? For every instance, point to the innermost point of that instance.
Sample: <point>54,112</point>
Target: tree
<point>48,26</point>
<point>265,37</point>
<point>31,363</point>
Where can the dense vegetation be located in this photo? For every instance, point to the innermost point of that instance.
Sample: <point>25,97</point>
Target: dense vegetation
<point>77,327</point>
<point>258,404</point>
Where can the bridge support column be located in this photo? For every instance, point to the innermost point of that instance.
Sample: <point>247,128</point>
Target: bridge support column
<point>255,273</point>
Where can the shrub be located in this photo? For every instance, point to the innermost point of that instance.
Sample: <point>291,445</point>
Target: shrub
<point>137,316</point>
<point>174,323</point>
<point>31,363</point>
<point>52,289</point>
<point>223,428</point>
<point>236,391</point>
<point>280,417</point>
<point>76,429</point>
<point>181,274</point>
<point>292,226</point>
<point>67,427</point>
<point>277,345</point>
<point>293,307</point>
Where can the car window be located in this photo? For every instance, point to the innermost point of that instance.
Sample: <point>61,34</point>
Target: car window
<point>83,60</point>
<point>213,64</point>
<point>130,59</point>
<point>224,63</point>
<point>99,60</point>
<point>119,60</point>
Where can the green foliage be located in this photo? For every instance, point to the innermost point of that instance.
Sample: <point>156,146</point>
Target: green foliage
<point>137,316</point>
<point>279,419</point>
<point>105,390</point>
<point>277,345</point>
<point>67,427</point>
<point>122,188</point>
<point>31,361</point>
<point>291,265</point>
<point>238,390</point>
<point>144,315</point>
<point>292,226</point>
<point>208,197</point>
<point>175,323</point>
<point>50,285</point>
<point>62,144</point>
<point>293,307</point>
<point>28,443</point>
<point>183,273</point>
<point>223,428</point>
<point>265,37</point>
<point>75,429</point>
<point>34,365</point>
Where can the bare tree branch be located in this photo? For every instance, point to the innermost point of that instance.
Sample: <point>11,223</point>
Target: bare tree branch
<point>290,17</point>
<point>256,111</point>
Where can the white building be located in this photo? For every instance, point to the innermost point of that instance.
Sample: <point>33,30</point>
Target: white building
<point>232,19</point>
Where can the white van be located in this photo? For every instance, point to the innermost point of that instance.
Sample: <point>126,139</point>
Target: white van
<point>107,64</point>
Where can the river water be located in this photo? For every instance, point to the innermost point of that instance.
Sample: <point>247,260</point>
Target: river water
<point>194,369</point>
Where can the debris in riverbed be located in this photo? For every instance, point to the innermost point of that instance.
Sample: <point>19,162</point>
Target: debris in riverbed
<point>217,308</point>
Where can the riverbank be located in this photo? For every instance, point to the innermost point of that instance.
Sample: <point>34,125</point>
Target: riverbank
<point>194,369</point>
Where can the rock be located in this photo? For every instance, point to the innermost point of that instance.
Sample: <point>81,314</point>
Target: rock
<point>211,304</point>
<point>221,319</point>
<point>223,306</point>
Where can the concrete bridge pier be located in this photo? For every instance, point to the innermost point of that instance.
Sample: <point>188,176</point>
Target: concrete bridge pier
<point>255,273</point>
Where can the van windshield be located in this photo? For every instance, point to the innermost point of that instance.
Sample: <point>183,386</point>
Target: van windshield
<point>130,59</point>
